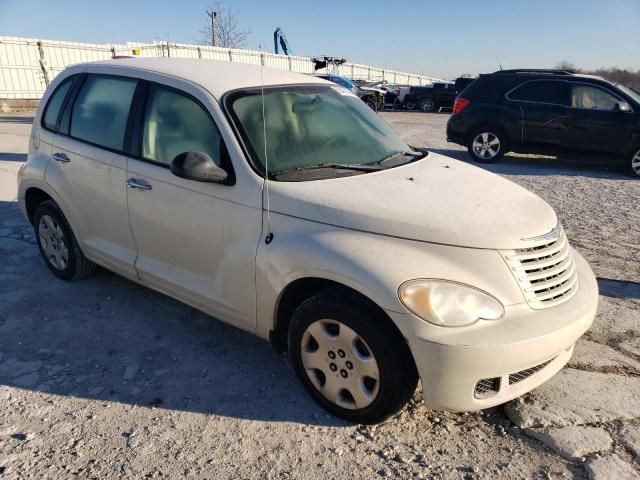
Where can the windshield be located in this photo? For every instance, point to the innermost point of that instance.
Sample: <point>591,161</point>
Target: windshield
<point>629,91</point>
<point>307,126</point>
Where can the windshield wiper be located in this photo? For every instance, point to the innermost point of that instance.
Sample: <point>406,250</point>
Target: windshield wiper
<point>361,167</point>
<point>416,155</point>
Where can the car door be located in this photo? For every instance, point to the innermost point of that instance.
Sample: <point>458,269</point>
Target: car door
<point>596,124</point>
<point>542,107</point>
<point>89,169</point>
<point>195,240</point>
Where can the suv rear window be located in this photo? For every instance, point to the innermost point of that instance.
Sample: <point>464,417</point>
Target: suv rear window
<point>52,110</point>
<point>101,110</point>
<point>541,91</point>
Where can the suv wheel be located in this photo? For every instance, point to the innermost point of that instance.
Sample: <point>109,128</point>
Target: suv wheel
<point>634,165</point>
<point>58,245</point>
<point>487,144</point>
<point>427,105</point>
<point>350,358</point>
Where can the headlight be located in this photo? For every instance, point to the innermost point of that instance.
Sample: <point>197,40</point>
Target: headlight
<point>448,304</point>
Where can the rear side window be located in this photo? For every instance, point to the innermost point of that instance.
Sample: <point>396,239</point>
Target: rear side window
<point>174,124</point>
<point>52,110</point>
<point>541,91</point>
<point>101,110</point>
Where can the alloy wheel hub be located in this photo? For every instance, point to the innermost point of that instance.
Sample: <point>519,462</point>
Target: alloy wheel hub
<point>635,163</point>
<point>486,145</point>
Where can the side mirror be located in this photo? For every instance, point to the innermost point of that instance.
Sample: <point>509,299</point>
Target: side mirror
<point>623,107</point>
<point>198,166</point>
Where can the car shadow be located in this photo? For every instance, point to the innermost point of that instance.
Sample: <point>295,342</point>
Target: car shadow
<point>22,119</point>
<point>108,339</point>
<point>13,157</point>
<point>517,164</point>
<point>625,289</point>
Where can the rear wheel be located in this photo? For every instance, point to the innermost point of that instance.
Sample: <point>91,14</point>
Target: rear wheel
<point>58,245</point>
<point>487,144</point>
<point>350,358</point>
<point>427,105</point>
<point>634,165</point>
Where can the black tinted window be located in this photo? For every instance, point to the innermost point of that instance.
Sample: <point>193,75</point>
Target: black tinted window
<point>101,110</point>
<point>55,103</point>
<point>592,98</point>
<point>542,91</point>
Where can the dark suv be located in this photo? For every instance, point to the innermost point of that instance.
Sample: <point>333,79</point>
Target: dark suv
<point>547,112</point>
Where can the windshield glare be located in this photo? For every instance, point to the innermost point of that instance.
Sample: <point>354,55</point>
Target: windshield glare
<point>632,93</point>
<point>312,125</point>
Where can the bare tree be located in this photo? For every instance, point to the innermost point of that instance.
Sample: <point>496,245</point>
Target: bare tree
<point>566,65</point>
<point>221,29</point>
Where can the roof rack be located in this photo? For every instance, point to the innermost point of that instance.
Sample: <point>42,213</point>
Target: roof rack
<point>537,70</point>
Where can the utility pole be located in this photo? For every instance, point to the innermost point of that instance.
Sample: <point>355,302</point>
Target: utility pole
<point>213,16</point>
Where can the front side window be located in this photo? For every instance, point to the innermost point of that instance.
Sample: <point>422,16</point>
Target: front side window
<point>175,124</point>
<point>592,98</point>
<point>101,110</point>
<point>541,91</point>
<point>314,125</point>
<point>52,110</point>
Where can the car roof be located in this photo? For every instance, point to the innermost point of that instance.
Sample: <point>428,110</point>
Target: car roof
<point>216,76</point>
<point>546,73</point>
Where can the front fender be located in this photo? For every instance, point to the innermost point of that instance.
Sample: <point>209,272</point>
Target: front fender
<point>373,265</point>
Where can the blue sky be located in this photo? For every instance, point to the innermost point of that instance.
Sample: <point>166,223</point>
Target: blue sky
<point>437,38</point>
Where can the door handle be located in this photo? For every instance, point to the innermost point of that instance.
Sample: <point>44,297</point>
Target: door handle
<point>140,184</point>
<point>61,157</point>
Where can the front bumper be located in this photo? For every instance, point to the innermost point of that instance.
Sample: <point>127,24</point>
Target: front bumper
<point>522,350</point>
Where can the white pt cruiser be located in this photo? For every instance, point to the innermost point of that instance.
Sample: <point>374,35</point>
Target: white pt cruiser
<point>373,263</point>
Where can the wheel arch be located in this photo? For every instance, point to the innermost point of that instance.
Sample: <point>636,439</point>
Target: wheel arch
<point>299,290</point>
<point>33,197</point>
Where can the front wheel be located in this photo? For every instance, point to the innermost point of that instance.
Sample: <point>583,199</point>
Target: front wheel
<point>634,165</point>
<point>350,357</point>
<point>487,144</point>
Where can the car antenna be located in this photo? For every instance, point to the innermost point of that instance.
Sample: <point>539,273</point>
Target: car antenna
<point>499,64</point>
<point>269,236</point>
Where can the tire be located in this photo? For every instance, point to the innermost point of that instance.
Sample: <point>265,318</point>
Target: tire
<point>481,146</point>
<point>355,343</point>
<point>371,103</point>
<point>633,165</point>
<point>427,105</point>
<point>58,245</point>
<point>410,105</point>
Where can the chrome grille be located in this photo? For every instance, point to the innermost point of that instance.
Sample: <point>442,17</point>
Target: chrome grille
<point>524,374</point>
<point>546,273</point>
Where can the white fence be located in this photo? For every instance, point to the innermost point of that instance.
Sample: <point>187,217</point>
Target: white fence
<point>28,65</point>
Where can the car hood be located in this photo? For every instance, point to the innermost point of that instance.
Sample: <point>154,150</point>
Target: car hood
<point>436,199</point>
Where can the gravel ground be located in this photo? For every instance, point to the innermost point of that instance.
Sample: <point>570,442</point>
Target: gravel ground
<point>106,379</point>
